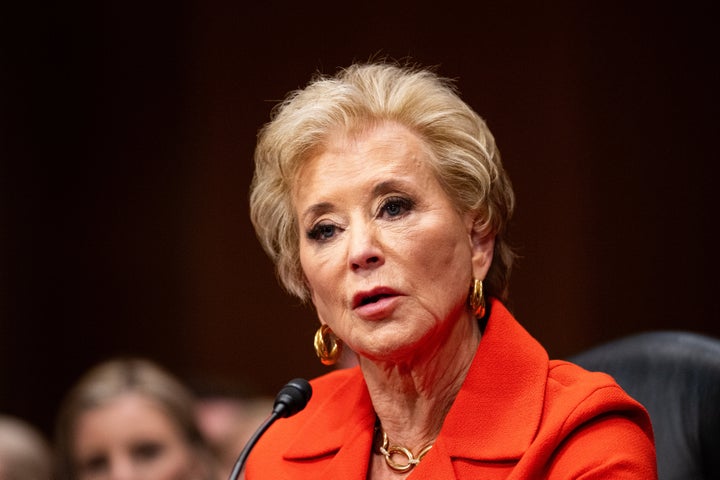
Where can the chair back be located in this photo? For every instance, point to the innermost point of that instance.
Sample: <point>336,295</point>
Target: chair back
<point>676,376</point>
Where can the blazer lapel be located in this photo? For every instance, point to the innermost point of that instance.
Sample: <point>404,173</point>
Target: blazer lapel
<point>497,412</point>
<point>340,431</point>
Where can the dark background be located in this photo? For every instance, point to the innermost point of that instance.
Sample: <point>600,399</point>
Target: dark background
<point>127,139</point>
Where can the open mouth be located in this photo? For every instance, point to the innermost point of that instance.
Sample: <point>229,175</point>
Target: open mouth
<point>373,299</point>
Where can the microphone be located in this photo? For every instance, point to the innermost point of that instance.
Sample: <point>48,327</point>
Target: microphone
<point>292,398</point>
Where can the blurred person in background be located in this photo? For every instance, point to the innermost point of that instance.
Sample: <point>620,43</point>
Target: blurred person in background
<point>24,452</point>
<point>227,422</point>
<point>130,419</point>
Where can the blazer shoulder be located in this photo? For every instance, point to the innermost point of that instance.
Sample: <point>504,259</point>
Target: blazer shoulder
<point>580,395</point>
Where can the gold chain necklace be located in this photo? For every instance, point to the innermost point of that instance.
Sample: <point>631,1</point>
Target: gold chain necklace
<point>387,450</point>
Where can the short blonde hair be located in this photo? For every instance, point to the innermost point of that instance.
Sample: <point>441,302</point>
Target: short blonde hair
<point>463,154</point>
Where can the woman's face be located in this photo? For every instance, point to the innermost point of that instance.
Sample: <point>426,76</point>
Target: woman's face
<point>387,257</point>
<point>131,438</point>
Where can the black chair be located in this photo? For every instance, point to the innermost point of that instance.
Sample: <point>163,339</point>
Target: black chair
<point>676,376</point>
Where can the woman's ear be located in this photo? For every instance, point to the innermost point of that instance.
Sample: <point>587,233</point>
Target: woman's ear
<point>483,247</point>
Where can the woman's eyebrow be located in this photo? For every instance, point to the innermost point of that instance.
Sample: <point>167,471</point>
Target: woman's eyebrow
<point>317,209</point>
<point>388,186</point>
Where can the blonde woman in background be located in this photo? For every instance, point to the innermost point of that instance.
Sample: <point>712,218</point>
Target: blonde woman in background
<point>130,419</point>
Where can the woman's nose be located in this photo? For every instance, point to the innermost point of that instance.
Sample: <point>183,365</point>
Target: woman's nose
<point>123,469</point>
<point>365,251</point>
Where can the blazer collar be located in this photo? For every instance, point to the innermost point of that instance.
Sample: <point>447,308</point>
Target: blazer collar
<point>497,412</point>
<point>342,426</point>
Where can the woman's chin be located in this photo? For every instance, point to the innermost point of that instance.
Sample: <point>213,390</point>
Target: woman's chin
<point>391,347</point>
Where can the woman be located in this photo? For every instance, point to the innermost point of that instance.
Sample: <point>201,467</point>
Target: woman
<point>130,419</point>
<point>381,197</point>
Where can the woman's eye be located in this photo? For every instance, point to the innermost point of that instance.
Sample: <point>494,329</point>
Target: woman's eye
<point>323,231</point>
<point>95,465</point>
<point>396,206</point>
<point>147,451</point>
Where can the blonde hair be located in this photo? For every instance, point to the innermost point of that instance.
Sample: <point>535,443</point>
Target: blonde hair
<point>113,378</point>
<point>463,154</point>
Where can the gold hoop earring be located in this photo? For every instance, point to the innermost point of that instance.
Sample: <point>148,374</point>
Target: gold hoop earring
<point>477,299</point>
<point>327,345</point>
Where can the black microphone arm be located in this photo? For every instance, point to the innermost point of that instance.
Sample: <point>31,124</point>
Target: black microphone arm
<point>292,398</point>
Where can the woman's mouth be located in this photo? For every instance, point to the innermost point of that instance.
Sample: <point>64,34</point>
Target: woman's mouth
<point>373,299</point>
<point>367,297</point>
<point>376,303</point>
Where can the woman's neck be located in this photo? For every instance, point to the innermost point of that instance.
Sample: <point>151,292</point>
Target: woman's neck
<point>412,397</point>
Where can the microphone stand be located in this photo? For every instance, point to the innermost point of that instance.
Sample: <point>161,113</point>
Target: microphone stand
<point>240,463</point>
<point>292,398</point>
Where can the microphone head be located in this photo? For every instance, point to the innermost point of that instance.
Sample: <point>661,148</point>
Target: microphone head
<point>292,398</point>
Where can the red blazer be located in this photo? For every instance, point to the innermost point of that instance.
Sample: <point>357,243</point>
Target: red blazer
<point>518,415</point>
